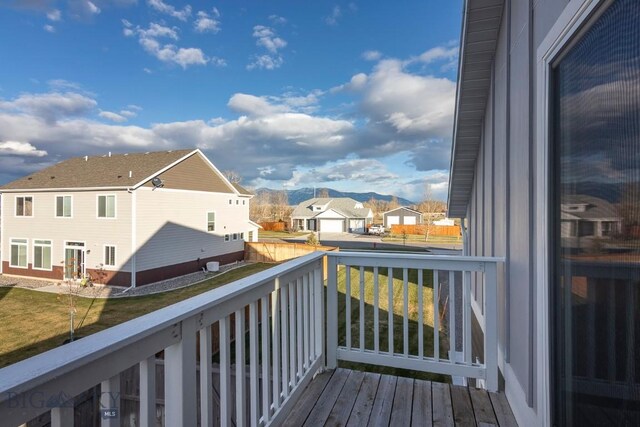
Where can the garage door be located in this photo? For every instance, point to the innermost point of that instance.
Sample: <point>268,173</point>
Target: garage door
<point>356,225</point>
<point>392,220</point>
<point>331,225</point>
<point>409,220</point>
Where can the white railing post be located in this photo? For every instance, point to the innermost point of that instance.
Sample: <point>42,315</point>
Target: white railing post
<point>225,372</point>
<point>110,402</point>
<point>491,328</point>
<point>319,311</point>
<point>206,380</point>
<point>241,381</point>
<point>62,416</point>
<point>332,312</point>
<point>148,392</point>
<point>180,377</point>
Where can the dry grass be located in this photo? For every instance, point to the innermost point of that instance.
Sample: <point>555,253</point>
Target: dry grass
<point>34,322</point>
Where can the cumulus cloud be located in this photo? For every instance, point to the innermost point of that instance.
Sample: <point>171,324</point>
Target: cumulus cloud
<point>253,105</point>
<point>114,117</point>
<point>356,83</point>
<point>277,20</point>
<point>170,10</point>
<point>167,52</point>
<point>371,55</point>
<point>51,106</point>
<point>206,23</point>
<point>83,9</point>
<point>267,38</point>
<point>16,148</point>
<point>54,15</point>
<point>363,170</point>
<point>49,28</point>
<point>438,53</point>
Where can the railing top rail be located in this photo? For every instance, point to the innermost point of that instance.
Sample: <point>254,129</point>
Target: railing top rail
<point>414,256</point>
<point>30,373</point>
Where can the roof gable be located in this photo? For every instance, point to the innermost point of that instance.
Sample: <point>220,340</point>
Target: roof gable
<point>403,208</point>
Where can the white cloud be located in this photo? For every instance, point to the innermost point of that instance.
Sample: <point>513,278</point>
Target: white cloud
<point>332,19</point>
<point>170,53</point>
<point>51,106</point>
<point>170,10</point>
<point>254,105</point>
<point>206,23</point>
<point>265,62</point>
<point>49,28</point>
<point>371,55</point>
<point>362,170</point>
<point>356,83</point>
<point>15,148</point>
<point>114,117</point>
<point>438,53</point>
<point>147,70</point>
<point>54,15</point>
<point>267,38</point>
<point>277,20</point>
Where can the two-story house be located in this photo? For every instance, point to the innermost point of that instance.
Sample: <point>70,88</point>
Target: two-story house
<point>125,219</point>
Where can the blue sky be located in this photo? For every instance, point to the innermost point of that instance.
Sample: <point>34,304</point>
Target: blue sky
<point>357,96</point>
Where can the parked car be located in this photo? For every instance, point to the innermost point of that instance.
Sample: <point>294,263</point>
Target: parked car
<point>377,229</point>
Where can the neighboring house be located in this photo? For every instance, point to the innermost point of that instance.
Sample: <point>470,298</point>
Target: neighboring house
<point>546,122</point>
<point>401,216</point>
<point>131,218</point>
<point>335,215</point>
<point>586,216</point>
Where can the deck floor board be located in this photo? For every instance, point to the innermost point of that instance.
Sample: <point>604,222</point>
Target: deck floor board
<point>350,398</point>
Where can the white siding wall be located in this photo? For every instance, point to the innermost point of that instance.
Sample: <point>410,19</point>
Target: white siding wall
<point>172,226</point>
<point>83,226</point>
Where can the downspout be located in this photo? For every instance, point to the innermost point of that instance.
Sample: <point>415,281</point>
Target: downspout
<point>133,239</point>
<point>465,237</point>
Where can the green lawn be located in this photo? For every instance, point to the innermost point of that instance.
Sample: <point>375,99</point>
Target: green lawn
<point>34,322</point>
<point>397,307</point>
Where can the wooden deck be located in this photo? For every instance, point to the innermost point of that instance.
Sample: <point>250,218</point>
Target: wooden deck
<point>354,398</point>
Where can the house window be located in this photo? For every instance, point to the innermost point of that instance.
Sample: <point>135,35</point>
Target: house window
<point>244,202</point>
<point>250,236</point>
<point>211,221</point>
<point>594,159</point>
<point>235,236</point>
<point>63,206</point>
<point>230,201</point>
<point>241,236</point>
<point>42,254</point>
<point>24,206</point>
<point>19,253</point>
<point>107,206</point>
<point>110,256</point>
<point>226,237</point>
<point>237,202</point>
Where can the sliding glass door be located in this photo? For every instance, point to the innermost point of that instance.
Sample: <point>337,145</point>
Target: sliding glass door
<point>595,288</point>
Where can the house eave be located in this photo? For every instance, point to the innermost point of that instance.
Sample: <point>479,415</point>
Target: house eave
<point>480,28</point>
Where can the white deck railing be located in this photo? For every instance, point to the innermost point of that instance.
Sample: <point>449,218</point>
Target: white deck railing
<point>289,348</point>
<point>355,272</point>
<point>281,310</point>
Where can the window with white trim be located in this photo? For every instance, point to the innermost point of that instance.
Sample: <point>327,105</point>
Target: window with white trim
<point>230,201</point>
<point>42,255</point>
<point>107,206</point>
<point>242,236</point>
<point>18,253</point>
<point>24,206</point>
<point>109,256</point>
<point>235,236</point>
<point>211,221</point>
<point>63,206</point>
<point>226,237</point>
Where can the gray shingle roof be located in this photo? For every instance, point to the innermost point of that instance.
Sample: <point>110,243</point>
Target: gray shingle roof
<point>342,205</point>
<point>596,208</point>
<point>240,189</point>
<point>98,171</point>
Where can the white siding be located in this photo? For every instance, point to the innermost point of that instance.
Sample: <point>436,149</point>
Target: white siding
<point>172,226</point>
<point>83,226</point>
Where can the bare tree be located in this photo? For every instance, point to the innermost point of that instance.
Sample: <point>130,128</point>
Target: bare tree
<point>430,209</point>
<point>279,205</point>
<point>233,176</point>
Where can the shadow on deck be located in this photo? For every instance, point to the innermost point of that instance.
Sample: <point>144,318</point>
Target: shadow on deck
<point>355,398</point>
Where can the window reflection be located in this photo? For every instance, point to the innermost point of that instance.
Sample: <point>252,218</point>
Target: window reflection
<point>596,287</point>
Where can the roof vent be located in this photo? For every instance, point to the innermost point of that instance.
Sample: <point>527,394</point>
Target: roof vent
<point>53,177</point>
<point>29,178</point>
<point>130,174</point>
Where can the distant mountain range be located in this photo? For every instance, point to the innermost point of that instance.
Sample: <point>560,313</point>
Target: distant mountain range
<point>300,195</point>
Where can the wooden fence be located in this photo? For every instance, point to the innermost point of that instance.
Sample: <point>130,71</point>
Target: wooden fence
<point>277,252</point>
<point>274,226</point>
<point>435,230</point>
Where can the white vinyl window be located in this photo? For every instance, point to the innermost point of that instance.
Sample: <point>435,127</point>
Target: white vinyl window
<point>24,206</point>
<point>211,221</point>
<point>235,236</point>
<point>230,201</point>
<point>109,256</point>
<point>18,253</point>
<point>63,206</point>
<point>226,237</point>
<point>42,255</point>
<point>107,206</point>
<point>241,236</point>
